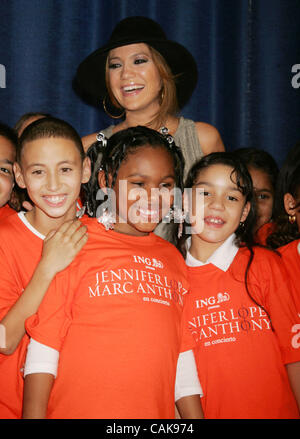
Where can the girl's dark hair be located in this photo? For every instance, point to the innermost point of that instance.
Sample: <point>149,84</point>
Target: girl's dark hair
<point>110,154</point>
<point>288,182</point>
<point>259,159</point>
<point>9,133</point>
<point>262,161</point>
<point>49,127</point>
<point>241,177</point>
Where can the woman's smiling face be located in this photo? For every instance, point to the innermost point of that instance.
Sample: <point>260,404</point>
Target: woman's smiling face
<point>134,78</point>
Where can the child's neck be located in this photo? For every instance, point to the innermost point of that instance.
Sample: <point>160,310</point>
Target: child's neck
<point>202,250</point>
<point>44,224</point>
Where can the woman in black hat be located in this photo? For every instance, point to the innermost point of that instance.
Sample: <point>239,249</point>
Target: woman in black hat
<point>144,78</point>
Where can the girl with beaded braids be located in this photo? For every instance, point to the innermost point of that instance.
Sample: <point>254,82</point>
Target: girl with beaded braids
<point>113,319</point>
<point>108,154</point>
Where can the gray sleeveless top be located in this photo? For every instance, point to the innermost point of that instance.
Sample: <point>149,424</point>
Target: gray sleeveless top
<point>187,139</point>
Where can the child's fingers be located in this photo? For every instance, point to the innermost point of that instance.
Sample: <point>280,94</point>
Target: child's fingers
<point>70,231</point>
<point>50,234</point>
<point>59,231</point>
<point>81,242</point>
<point>68,228</point>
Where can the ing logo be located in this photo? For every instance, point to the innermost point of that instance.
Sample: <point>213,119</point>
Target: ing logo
<point>222,297</point>
<point>149,262</point>
<point>213,301</point>
<point>2,76</point>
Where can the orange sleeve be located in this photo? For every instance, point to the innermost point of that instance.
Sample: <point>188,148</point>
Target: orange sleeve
<point>263,233</point>
<point>6,211</point>
<point>275,293</point>
<point>291,260</point>
<point>10,288</point>
<point>50,324</point>
<point>187,340</point>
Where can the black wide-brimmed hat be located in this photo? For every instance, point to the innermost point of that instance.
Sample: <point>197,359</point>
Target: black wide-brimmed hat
<point>90,76</point>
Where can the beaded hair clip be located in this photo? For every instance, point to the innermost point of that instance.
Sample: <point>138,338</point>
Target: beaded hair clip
<point>101,139</point>
<point>103,143</point>
<point>165,132</point>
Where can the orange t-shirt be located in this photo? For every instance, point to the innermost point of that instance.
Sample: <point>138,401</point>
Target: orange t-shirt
<point>240,360</point>
<point>263,232</point>
<point>115,316</point>
<point>291,259</point>
<point>6,211</point>
<point>20,251</point>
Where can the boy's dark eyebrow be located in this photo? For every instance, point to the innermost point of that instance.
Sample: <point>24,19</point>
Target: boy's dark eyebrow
<point>231,188</point>
<point>9,162</point>
<point>66,161</point>
<point>69,162</point>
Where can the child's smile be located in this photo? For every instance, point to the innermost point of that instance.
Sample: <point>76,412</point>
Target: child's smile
<point>212,221</point>
<point>143,185</point>
<point>55,200</point>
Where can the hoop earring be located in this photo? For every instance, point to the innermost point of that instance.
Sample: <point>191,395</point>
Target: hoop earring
<point>292,219</point>
<point>108,113</point>
<point>162,95</point>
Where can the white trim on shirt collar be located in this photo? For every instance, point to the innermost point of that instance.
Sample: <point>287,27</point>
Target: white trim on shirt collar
<point>221,258</point>
<point>24,220</point>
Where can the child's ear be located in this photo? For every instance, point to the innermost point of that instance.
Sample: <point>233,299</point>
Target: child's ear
<point>102,180</point>
<point>289,204</point>
<point>19,175</point>
<point>86,170</point>
<point>246,211</point>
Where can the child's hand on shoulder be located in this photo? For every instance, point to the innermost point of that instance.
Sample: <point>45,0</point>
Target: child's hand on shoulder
<point>62,245</point>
